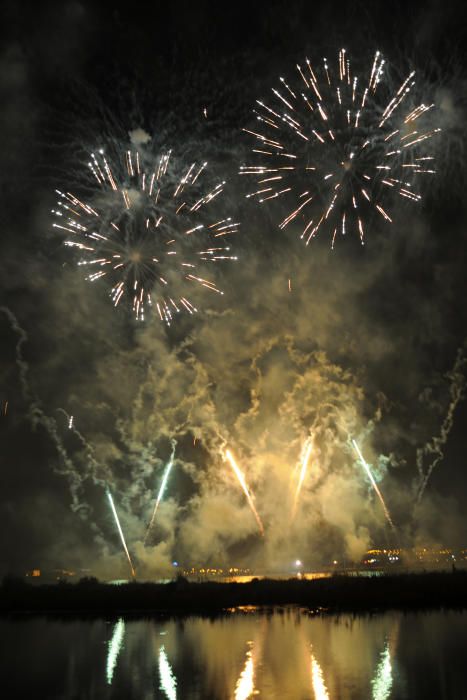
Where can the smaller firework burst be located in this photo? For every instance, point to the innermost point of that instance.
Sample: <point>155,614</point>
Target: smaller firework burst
<point>151,234</point>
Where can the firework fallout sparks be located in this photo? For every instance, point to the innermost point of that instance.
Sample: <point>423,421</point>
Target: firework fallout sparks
<point>151,235</point>
<point>334,147</point>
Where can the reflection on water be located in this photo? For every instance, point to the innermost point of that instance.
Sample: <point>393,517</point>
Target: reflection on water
<point>278,655</point>
<point>382,681</point>
<point>115,646</point>
<point>248,578</point>
<point>245,684</point>
<point>319,687</point>
<point>168,681</point>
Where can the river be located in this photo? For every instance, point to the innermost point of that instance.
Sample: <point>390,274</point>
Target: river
<point>278,654</point>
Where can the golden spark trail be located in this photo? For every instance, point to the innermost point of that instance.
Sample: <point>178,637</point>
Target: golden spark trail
<point>160,494</point>
<point>373,483</point>
<point>109,496</point>
<point>305,456</point>
<point>241,479</point>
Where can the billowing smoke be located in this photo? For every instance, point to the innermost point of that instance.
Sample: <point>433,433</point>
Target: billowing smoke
<point>254,378</point>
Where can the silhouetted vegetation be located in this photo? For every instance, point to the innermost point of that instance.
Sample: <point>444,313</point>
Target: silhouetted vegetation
<point>338,593</point>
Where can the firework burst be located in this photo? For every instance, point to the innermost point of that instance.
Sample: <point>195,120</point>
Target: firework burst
<point>150,234</point>
<point>334,147</point>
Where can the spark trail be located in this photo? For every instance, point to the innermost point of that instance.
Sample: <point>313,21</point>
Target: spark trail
<point>93,467</point>
<point>120,531</point>
<point>38,416</point>
<point>435,446</point>
<point>246,491</point>
<point>304,458</point>
<point>333,147</point>
<point>162,488</point>
<point>373,483</point>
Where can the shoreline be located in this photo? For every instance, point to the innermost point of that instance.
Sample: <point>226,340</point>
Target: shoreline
<point>336,594</point>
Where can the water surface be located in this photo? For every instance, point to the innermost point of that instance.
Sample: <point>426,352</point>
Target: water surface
<point>280,655</point>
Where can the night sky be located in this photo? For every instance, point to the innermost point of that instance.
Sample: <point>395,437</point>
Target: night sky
<point>370,344</point>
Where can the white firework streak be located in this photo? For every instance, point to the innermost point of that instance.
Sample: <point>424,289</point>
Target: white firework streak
<point>120,532</point>
<point>161,491</point>
<point>373,483</point>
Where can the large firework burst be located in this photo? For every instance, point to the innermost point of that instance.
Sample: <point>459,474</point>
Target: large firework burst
<point>334,147</point>
<point>147,231</point>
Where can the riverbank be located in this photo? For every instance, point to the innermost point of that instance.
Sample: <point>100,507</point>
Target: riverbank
<point>432,590</point>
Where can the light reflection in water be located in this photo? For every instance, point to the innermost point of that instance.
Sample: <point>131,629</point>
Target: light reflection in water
<point>168,682</point>
<point>319,687</point>
<point>115,646</point>
<point>382,682</point>
<point>282,654</point>
<point>245,685</point>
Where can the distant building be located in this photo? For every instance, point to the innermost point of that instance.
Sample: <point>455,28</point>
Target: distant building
<point>34,573</point>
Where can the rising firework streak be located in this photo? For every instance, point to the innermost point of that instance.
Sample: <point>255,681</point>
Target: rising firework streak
<point>373,483</point>
<point>241,479</point>
<point>119,528</point>
<point>304,458</point>
<point>160,494</point>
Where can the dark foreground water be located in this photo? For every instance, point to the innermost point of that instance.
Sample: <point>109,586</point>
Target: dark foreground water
<point>245,654</point>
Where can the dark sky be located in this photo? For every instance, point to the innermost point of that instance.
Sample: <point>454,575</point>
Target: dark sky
<point>370,343</point>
